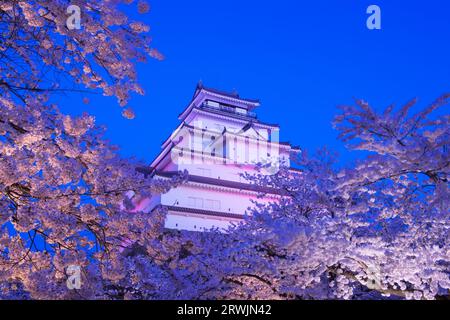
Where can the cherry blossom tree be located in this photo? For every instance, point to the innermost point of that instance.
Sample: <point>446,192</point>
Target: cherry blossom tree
<point>378,229</point>
<point>404,186</point>
<point>62,191</point>
<point>40,52</point>
<point>66,197</point>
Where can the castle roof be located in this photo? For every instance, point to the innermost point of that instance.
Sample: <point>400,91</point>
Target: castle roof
<point>222,183</point>
<point>228,100</point>
<point>233,95</point>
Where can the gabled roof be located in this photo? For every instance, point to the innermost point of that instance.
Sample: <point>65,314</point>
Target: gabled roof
<point>233,95</point>
<point>203,94</point>
<point>249,126</point>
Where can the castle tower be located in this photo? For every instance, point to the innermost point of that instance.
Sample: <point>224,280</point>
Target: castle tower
<point>219,138</point>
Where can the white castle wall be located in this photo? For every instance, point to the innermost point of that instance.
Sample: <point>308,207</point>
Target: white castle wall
<point>189,196</point>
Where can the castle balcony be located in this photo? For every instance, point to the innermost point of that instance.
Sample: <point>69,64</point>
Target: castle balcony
<point>208,105</point>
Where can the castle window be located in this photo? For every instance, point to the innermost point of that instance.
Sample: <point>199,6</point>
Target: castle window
<point>195,202</point>
<point>241,111</point>
<point>212,104</point>
<point>212,204</point>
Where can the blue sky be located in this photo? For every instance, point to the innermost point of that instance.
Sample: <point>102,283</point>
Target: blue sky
<point>300,58</point>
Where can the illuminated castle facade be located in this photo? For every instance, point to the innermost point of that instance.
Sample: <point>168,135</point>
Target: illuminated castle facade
<point>219,138</point>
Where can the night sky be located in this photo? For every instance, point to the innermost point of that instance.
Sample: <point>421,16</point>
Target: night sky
<point>300,58</point>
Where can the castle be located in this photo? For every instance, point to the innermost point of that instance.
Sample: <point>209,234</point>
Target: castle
<point>218,139</point>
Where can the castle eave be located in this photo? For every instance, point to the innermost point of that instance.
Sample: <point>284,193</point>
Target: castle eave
<point>205,212</point>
